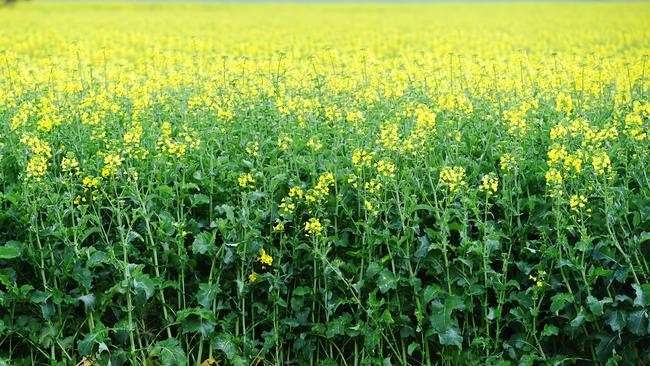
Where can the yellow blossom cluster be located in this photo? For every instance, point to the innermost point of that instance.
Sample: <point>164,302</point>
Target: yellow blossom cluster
<point>389,136</point>
<point>70,165</point>
<point>112,163</point>
<point>489,184</point>
<point>313,227</point>
<point>246,180</point>
<point>577,202</point>
<point>508,163</point>
<point>322,188</point>
<point>453,178</point>
<point>362,158</point>
<point>385,168</point>
<point>40,154</point>
<point>90,186</point>
<point>264,258</point>
<point>178,145</point>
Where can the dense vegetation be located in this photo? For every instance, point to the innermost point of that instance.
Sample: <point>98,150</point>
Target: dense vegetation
<point>324,184</point>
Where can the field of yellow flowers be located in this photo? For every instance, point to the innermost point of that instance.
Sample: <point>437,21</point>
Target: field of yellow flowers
<point>324,184</point>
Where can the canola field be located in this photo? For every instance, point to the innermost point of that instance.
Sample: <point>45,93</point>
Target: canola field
<point>324,184</point>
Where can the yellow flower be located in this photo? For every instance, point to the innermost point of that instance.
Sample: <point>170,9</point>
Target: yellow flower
<point>252,148</point>
<point>246,180</point>
<point>352,180</point>
<point>111,164</point>
<point>284,141</point>
<point>41,153</point>
<point>313,227</point>
<point>370,208</point>
<point>539,279</point>
<point>577,202</point>
<point>553,177</point>
<point>264,258</point>
<point>563,103</point>
<point>453,178</point>
<point>286,206</point>
<point>295,192</point>
<point>508,162</point>
<point>489,184</point>
<point>362,158</point>
<point>389,136</point>
<point>600,161</point>
<point>70,165</point>
<point>279,227</point>
<point>385,168</point>
<point>252,277</point>
<point>322,188</point>
<point>314,144</point>
<point>372,186</point>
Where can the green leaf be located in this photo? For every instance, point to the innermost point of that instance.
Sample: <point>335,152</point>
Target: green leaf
<point>373,269</point>
<point>386,281</point>
<point>169,352</point>
<point>596,306</point>
<point>386,318</point>
<point>616,321</point>
<point>411,348</point>
<point>550,330</point>
<point>224,343</point>
<point>97,258</point>
<point>206,294</point>
<point>5,280</point>
<point>197,320</point>
<point>203,243</point>
<point>9,252</point>
<point>88,300</point>
<point>338,326</point>
<point>642,298</point>
<point>451,336</point>
<point>430,293</point>
<point>559,301</point>
<point>143,286</point>
<point>579,319</point>
<point>199,199</point>
<point>442,322</point>
<point>301,291</point>
<point>86,346</point>
<point>637,322</point>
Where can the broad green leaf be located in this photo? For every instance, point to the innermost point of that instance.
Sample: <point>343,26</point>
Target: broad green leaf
<point>386,318</point>
<point>206,294</point>
<point>9,252</point>
<point>386,281</point>
<point>169,352</point>
<point>642,298</point>
<point>550,330</point>
<point>616,320</point>
<point>203,243</point>
<point>559,301</point>
<point>338,326</point>
<point>86,346</point>
<point>88,301</point>
<point>442,322</point>
<point>579,319</point>
<point>224,343</point>
<point>411,348</point>
<point>451,336</point>
<point>430,292</point>
<point>637,322</point>
<point>196,320</point>
<point>596,306</point>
